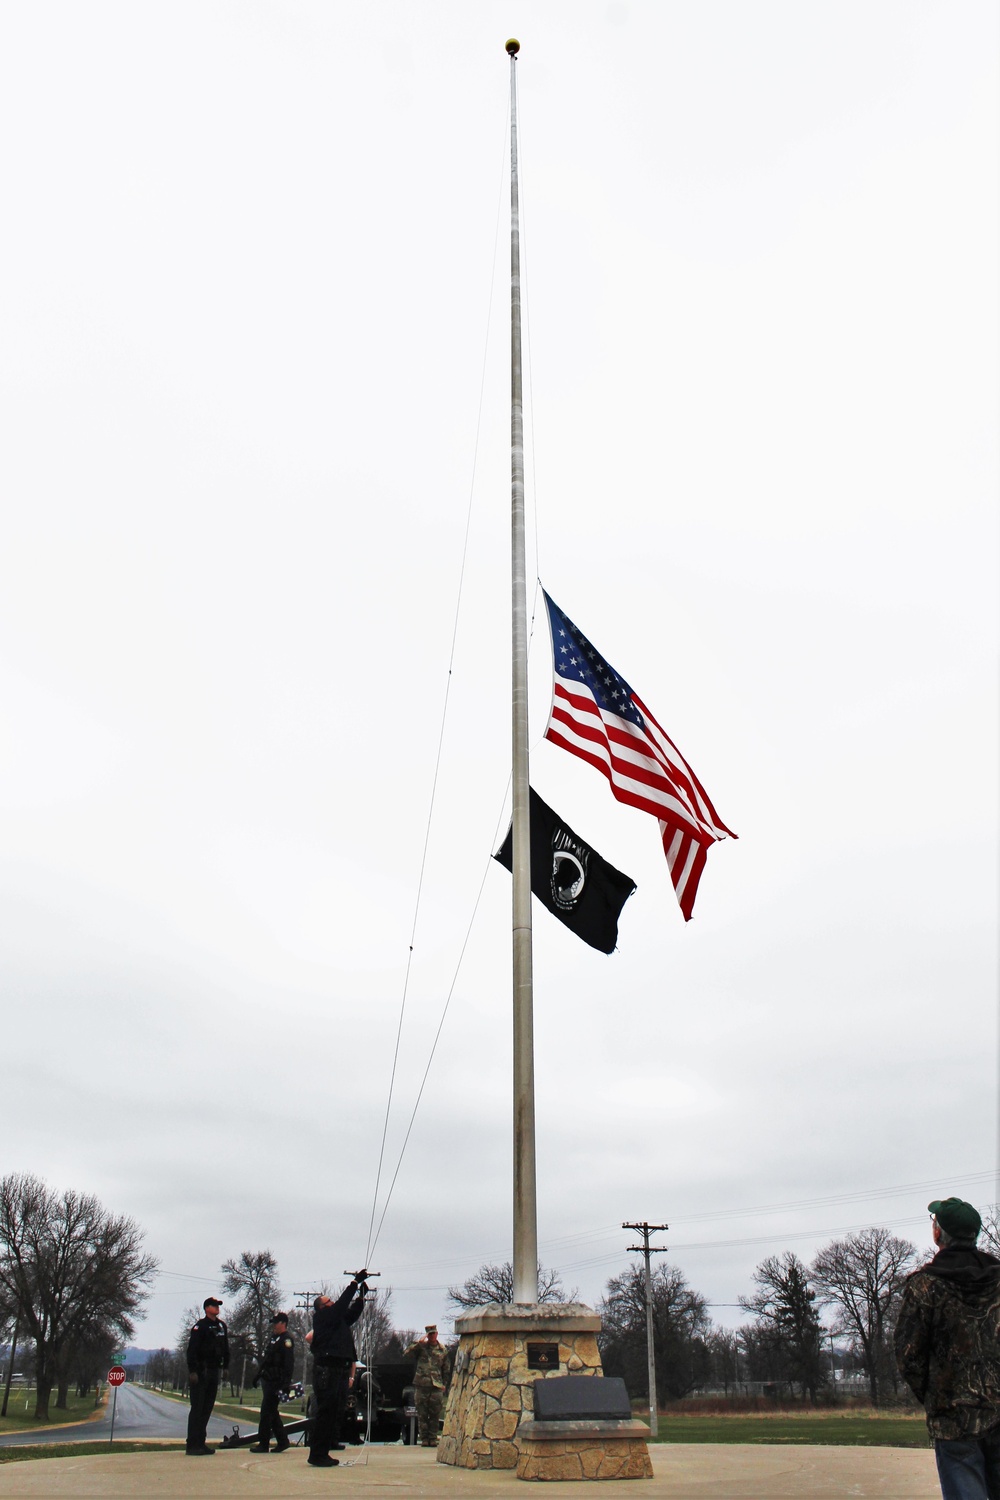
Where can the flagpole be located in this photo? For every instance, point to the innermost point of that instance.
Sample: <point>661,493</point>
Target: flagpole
<point>525,1206</point>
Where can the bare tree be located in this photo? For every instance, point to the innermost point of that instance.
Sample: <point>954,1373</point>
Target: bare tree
<point>764,1358</point>
<point>989,1238</point>
<point>784,1306</point>
<point>89,1356</point>
<point>253,1280</point>
<point>681,1327</point>
<point>496,1284</point>
<point>375,1327</point>
<point>862,1277</point>
<point>161,1367</point>
<point>724,1349</point>
<point>299,1324</point>
<point>397,1344</point>
<point>188,1319</point>
<point>71,1268</point>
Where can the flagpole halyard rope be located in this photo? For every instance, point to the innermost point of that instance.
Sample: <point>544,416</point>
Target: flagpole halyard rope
<point>440,745</point>
<point>444,1013</point>
<point>526,306</point>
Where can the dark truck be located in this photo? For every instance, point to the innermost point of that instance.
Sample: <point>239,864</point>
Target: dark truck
<point>393,1411</point>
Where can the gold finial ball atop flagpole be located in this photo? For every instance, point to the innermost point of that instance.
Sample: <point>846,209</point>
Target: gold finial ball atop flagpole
<point>513,46</point>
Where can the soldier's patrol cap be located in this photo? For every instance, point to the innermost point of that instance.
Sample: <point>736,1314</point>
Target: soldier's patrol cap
<point>279,1317</point>
<point>211,1302</point>
<point>430,1328</point>
<point>956,1217</point>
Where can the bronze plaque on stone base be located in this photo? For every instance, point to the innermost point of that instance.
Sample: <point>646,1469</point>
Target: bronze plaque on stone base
<point>543,1356</point>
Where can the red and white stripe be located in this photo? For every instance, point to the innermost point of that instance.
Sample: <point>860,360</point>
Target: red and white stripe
<point>645,770</point>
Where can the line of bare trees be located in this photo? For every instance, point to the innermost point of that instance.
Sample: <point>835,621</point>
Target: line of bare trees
<point>856,1282</point>
<point>252,1292</point>
<point>73,1276</point>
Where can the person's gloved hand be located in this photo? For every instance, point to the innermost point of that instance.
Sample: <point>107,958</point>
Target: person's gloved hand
<point>360,1276</point>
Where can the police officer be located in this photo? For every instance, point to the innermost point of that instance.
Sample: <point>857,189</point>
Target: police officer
<point>207,1359</point>
<point>334,1362</point>
<point>274,1377</point>
<point>429,1383</point>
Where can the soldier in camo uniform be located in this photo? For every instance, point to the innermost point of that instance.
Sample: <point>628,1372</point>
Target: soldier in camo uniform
<point>429,1383</point>
<point>948,1351</point>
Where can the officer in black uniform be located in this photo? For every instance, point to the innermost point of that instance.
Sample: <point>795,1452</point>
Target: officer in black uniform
<point>334,1359</point>
<point>274,1377</point>
<point>207,1359</point>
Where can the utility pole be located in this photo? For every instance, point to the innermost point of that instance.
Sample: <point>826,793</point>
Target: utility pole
<point>833,1365</point>
<point>646,1250</point>
<point>305,1300</point>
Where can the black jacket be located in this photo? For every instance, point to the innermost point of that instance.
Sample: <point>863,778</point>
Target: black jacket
<point>208,1346</point>
<point>332,1337</point>
<point>279,1361</point>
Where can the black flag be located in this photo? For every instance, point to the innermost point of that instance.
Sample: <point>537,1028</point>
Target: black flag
<point>571,879</point>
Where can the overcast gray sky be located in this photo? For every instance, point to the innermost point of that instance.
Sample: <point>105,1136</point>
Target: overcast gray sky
<point>246,299</point>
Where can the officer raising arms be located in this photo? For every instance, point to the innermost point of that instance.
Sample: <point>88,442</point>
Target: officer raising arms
<point>207,1359</point>
<point>429,1383</point>
<point>274,1376</point>
<point>334,1360</point>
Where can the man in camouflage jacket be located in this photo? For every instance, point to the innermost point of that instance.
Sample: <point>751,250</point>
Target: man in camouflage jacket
<point>948,1352</point>
<point>429,1383</point>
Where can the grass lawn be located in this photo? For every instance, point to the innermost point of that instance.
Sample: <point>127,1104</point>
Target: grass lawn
<point>291,1409</point>
<point>75,1450</point>
<point>19,1416</point>
<point>849,1429</point>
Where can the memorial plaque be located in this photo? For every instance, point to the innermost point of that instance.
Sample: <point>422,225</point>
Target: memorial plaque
<point>543,1356</point>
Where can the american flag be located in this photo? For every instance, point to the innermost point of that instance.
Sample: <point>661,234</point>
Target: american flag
<point>597,716</point>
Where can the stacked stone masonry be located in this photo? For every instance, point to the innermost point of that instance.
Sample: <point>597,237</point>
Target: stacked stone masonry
<point>491,1395</point>
<point>584,1449</point>
<point>580,1458</point>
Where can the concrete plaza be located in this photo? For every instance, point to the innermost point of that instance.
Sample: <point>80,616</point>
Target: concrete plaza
<point>696,1471</point>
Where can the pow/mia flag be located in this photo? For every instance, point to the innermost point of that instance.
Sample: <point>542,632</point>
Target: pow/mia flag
<point>571,879</point>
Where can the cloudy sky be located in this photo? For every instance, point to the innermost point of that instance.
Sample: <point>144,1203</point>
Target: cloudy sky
<point>255,382</point>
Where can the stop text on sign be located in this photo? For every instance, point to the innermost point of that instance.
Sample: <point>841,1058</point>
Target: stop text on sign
<point>116,1375</point>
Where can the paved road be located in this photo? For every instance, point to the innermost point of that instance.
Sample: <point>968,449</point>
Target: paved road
<point>140,1414</point>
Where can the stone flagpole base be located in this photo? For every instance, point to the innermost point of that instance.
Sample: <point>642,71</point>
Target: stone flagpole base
<point>503,1349</point>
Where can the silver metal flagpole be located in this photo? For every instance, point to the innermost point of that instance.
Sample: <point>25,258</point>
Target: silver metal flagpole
<point>525,1206</point>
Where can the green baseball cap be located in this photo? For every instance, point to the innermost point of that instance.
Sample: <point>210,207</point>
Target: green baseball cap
<point>956,1217</point>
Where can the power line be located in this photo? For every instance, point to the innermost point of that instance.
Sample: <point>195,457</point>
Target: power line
<point>582,1235</point>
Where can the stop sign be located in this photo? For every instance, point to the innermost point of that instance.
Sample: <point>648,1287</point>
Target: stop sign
<point>116,1375</point>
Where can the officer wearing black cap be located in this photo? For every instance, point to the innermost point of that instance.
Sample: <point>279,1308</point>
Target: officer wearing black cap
<point>334,1361</point>
<point>274,1376</point>
<point>947,1341</point>
<point>207,1359</point>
